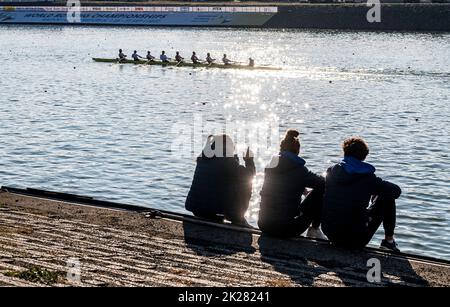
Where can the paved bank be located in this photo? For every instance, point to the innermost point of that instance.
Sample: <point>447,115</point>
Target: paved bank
<point>140,248</point>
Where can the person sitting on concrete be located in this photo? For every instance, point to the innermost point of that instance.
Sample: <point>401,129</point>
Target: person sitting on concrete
<point>282,213</point>
<point>347,218</point>
<point>221,187</point>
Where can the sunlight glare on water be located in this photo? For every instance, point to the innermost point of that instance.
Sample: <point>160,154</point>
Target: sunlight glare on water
<point>106,130</point>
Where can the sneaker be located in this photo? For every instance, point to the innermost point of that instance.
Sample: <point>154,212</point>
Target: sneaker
<point>391,246</point>
<point>315,233</point>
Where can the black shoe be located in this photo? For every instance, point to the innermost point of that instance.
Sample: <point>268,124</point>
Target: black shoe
<point>391,246</point>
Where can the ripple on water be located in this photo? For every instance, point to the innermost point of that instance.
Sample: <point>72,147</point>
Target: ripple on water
<point>107,130</point>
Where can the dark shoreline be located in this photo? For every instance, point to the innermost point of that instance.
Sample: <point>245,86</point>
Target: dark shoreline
<point>348,16</point>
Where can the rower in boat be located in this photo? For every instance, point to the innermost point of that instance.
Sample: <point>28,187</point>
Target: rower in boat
<point>194,58</point>
<point>178,57</point>
<point>225,60</point>
<point>251,62</point>
<point>150,57</point>
<point>136,56</point>
<point>209,59</point>
<point>122,56</point>
<point>190,64</point>
<point>163,57</point>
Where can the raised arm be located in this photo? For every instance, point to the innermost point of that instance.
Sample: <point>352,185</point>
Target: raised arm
<point>249,169</point>
<point>312,180</point>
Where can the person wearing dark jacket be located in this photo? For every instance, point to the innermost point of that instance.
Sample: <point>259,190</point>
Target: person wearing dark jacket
<point>347,217</point>
<point>282,213</point>
<point>221,187</point>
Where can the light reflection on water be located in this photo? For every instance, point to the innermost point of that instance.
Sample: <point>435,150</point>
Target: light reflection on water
<point>105,130</point>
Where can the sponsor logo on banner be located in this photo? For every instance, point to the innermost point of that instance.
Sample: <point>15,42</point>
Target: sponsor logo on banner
<point>163,16</point>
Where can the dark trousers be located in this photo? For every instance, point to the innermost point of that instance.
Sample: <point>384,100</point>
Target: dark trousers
<point>381,211</point>
<point>309,213</point>
<point>311,208</point>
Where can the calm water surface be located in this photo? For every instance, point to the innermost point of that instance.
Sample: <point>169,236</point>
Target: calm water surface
<point>108,130</point>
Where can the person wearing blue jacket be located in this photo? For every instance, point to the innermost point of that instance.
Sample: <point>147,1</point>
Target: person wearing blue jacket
<point>221,187</point>
<point>282,211</point>
<point>356,201</point>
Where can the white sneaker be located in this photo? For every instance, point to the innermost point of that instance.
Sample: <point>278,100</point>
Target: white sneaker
<point>315,233</point>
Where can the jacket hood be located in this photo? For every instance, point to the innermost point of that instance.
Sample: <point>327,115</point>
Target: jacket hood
<point>285,160</point>
<point>293,157</point>
<point>354,166</point>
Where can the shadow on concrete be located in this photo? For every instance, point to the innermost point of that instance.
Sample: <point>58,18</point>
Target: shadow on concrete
<point>285,262</point>
<point>210,241</point>
<point>312,263</point>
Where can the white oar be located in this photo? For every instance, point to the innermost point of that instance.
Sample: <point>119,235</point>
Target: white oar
<point>179,62</point>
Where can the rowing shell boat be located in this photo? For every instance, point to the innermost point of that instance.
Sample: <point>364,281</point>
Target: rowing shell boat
<point>184,64</point>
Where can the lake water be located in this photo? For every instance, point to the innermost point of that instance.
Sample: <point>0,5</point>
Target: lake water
<point>108,130</point>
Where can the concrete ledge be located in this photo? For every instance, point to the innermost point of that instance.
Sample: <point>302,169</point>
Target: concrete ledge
<point>135,248</point>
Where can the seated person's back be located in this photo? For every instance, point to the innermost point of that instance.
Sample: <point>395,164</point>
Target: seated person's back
<point>221,186</point>
<point>350,186</point>
<point>282,212</point>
